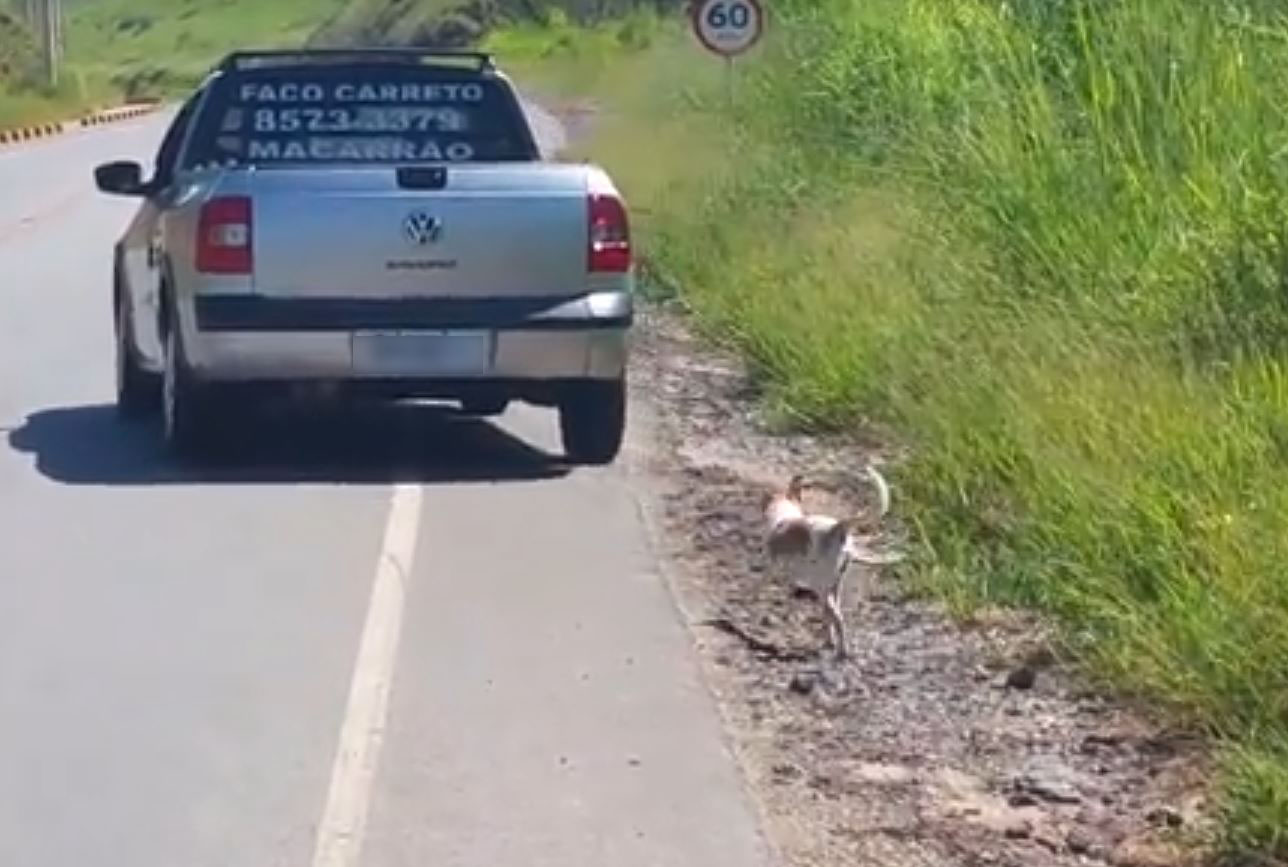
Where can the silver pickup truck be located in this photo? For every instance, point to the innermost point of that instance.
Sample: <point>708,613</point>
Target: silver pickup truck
<point>373,223</point>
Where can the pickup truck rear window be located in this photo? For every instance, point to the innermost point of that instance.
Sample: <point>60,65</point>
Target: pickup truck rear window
<point>369,114</point>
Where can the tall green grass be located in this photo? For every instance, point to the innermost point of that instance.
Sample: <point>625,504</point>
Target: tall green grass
<point>1042,244</point>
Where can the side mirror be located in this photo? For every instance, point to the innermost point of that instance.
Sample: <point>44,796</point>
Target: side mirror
<point>121,179</point>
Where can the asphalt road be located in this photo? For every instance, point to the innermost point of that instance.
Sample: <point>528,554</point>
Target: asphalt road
<point>382,641</point>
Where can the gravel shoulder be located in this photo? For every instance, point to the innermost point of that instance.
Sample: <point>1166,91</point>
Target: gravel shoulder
<point>941,742</point>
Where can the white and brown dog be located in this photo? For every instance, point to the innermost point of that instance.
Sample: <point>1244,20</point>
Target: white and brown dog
<point>818,549</point>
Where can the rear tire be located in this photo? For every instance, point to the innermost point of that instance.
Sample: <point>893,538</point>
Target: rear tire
<point>138,392</point>
<point>592,421</point>
<point>185,403</point>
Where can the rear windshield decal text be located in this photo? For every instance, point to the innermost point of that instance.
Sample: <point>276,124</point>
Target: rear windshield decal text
<point>402,93</point>
<point>353,117</point>
<point>324,149</point>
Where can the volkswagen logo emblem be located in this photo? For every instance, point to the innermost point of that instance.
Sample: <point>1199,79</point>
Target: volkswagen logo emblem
<point>421,229</point>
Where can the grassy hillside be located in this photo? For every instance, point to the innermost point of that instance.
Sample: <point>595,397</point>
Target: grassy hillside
<point>1042,246</point>
<point>147,48</point>
<point>129,49</point>
<point>443,23</point>
<point>455,23</point>
<point>126,49</point>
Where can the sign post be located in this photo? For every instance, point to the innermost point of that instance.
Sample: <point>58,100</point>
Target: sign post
<point>728,28</point>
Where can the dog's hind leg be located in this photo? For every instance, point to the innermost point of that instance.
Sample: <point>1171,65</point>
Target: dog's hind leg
<point>836,623</point>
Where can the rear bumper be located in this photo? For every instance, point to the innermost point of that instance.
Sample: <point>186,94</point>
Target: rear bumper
<point>245,338</point>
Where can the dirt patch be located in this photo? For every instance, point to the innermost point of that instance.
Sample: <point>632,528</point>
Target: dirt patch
<point>940,743</point>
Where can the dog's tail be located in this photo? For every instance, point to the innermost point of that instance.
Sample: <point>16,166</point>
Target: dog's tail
<point>855,549</point>
<point>883,490</point>
<point>860,553</point>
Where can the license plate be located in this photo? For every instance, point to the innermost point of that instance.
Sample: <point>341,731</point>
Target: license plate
<point>422,353</point>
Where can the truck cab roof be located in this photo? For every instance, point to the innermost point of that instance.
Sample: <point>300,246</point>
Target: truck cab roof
<point>481,62</point>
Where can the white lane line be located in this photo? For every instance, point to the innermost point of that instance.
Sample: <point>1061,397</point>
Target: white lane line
<point>340,832</point>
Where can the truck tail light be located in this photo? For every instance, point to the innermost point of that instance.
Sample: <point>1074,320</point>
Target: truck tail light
<point>224,237</point>
<point>610,235</point>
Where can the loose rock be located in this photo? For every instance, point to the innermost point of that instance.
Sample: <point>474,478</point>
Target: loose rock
<point>803,684</point>
<point>1023,678</point>
<point>1079,842</point>
<point>1020,829</point>
<point>1048,780</point>
<point>1141,853</point>
<point>1165,816</point>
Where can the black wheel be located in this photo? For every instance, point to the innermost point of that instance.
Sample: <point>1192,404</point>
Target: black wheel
<point>484,406</point>
<point>592,420</point>
<point>138,392</point>
<point>185,403</point>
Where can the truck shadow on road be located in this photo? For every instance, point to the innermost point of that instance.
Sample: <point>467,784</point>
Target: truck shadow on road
<point>90,445</point>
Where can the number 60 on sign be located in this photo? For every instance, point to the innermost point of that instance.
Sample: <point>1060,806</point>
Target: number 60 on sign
<point>728,27</point>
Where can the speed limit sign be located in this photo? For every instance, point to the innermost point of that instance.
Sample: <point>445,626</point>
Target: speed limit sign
<point>728,27</point>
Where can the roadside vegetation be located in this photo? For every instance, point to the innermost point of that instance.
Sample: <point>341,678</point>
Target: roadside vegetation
<point>120,50</point>
<point>22,98</point>
<point>1042,248</point>
<point>462,23</point>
